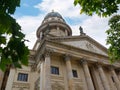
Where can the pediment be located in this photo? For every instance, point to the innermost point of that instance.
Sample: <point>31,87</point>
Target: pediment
<point>87,44</point>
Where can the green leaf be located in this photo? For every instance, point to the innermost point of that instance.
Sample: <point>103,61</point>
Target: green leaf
<point>75,2</point>
<point>18,65</point>
<point>14,51</point>
<point>102,8</point>
<point>2,40</point>
<point>113,38</point>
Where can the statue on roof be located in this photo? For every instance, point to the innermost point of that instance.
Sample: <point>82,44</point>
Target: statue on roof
<point>81,31</point>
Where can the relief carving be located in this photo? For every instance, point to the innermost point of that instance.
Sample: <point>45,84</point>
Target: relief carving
<point>48,52</point>
<point>90,47</point>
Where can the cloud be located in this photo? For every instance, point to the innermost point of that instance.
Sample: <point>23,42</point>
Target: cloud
<point>29,26</point>
<point>30,23</point>
<point>32,39</point>
<point>93,26</point>
<point>66,8</point>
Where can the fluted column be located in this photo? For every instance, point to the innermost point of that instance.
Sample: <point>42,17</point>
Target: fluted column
<point>47,77</point>
<point>117,82</point>
<point>87,75</point>
<point>98,82</point>
<point>69,72</point>
<point>103,78</point>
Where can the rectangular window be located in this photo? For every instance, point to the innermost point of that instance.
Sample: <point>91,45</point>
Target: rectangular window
<point>74,73</point>
<point>54,70</point>
<point>22,77</point>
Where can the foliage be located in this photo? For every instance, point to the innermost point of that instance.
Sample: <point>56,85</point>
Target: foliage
<point>100,7</point>
<point>113,38</point>
<point>12,48</point>
<point>105,8</point>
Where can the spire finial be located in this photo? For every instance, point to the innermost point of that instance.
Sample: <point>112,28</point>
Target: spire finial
<point>81,31</point>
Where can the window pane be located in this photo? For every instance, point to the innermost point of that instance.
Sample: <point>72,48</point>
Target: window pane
<point>54,70</point>
<point>22,77</point>
<point>74,73</point>
<point>26,77</point>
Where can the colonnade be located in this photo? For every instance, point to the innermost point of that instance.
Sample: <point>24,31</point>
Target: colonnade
<point>102,85</point>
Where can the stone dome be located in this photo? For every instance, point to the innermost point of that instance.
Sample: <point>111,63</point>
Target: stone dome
<point>56,25</point>
<point>53,14</point>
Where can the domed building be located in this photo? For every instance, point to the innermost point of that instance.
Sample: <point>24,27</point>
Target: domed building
<point>54,25</point>
<point>61,61</point>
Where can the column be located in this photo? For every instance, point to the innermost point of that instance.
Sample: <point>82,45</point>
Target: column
<point>117,82</point>
<point>41,74</point>
<point>103,78</point>
<point>97,80</point>
<point>69,73</point>
<point>10,79</point>
<point>47,77</point>
<point>87,75</point>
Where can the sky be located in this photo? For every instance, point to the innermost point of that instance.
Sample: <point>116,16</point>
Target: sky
<point>32,12</point>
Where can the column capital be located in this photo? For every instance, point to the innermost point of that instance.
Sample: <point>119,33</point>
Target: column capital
<point>42,58</point>
<point>83,61</point>
<point>110,67</point>
<point>67,57</point>
<point>48,52</point>
<point>98,64</point>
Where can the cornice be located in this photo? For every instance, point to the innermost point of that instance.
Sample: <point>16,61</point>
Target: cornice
<point>73,49</point>
<point>76,38</point>
<point>91,57</point>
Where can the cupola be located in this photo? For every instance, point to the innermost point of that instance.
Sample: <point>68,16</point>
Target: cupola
<point>54,25</point>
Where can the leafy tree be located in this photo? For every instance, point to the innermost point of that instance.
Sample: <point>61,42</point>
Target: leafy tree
<point>12,43</point>
<point>113,38</point>
<point>100,7</point>
<point>105,8</point>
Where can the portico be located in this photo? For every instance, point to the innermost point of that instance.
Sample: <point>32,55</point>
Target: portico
<point>61,61</point>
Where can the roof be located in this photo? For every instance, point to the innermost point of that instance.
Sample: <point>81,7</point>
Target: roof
<point>53,14</point>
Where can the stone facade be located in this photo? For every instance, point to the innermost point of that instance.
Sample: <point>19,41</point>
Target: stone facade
<point>60,61</point>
